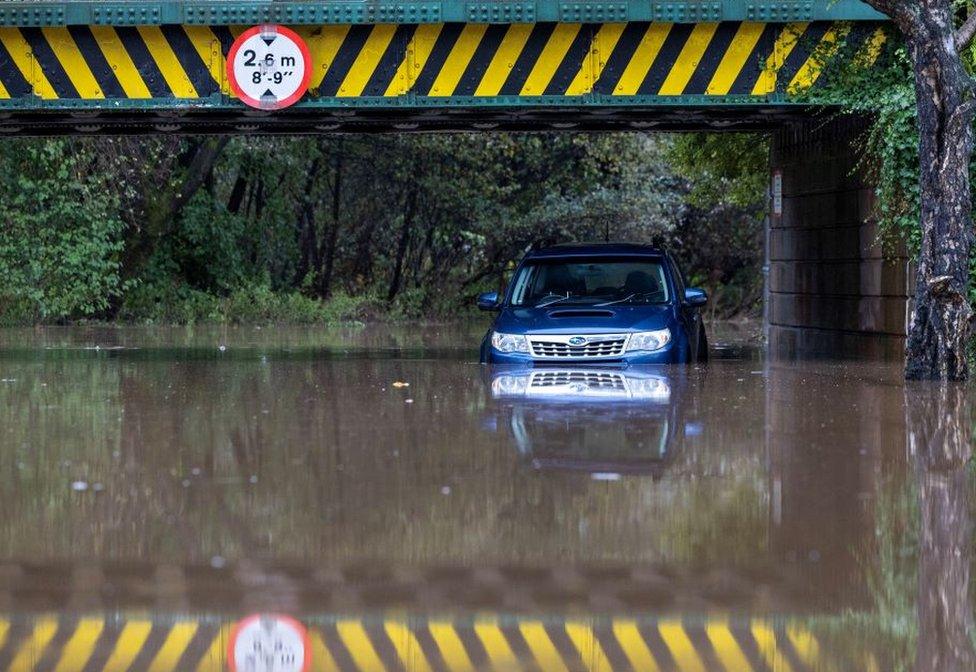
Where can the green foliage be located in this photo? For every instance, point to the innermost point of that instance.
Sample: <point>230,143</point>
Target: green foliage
<point>883,92</point>
<point>60,233</point>
<point>723,168</point>
<point>191,230</point>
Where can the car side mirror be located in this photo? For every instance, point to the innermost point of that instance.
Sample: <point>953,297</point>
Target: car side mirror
<point>696,296</point>
<point>488,301</point>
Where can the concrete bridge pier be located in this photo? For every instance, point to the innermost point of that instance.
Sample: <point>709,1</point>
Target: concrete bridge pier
<point>829,289</point>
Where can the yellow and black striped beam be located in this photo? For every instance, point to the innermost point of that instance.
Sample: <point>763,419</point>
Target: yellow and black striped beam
<point>447,64</point>
<point>120,644</point>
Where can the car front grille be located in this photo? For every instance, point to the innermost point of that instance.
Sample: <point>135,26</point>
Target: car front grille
<point>558,347</point>
<point>595,380</point>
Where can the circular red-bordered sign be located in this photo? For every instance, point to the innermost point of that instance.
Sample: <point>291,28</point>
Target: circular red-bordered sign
<point>271,642</point>
<point>269,67</point>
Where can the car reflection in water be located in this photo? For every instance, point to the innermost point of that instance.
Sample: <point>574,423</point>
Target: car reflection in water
<point>601,421</point>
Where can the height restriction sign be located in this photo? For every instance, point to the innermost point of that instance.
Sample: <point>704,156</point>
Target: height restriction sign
<point>268,67</point>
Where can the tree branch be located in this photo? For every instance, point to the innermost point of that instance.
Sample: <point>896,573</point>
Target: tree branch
<point>964,35</point>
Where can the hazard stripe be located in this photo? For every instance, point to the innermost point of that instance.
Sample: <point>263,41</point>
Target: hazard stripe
<point>367,61</point>
<point>638,64</point>
<point>735,58</point>
<point>688,59</point>
<point>105,78</point>
<point>345,56</point>
<point>442,60</point>
<point>71,64</point>
<point>407,647</point>
<point>437,57</point>
<point>787,44</point>
<point>528,57</point>
<point>95,644</point>
<point>503,62</point>
<point>458,59</point>
<point>20,55</point>
<point>359,646</point>
<point>679,645</point>
<point>14,82</point>
<point>711,57</point>
<point>560,40</point>
<point>604,42</point>
<point>588,647</point>
<point>382,78</point>
<point>32,649</point>
<point>808,73</point>
<point>451,649</point>
<point>170,653</point>
<point>169,65</point>
<point>634,647</point>
<point>497,648</point>
<point>45,57</point>
<point>481,59</point>
<point>662,73</point>
<point>418,51</point>
<point>195,67</point>
<point>324,46</point>
<point>575,63</point>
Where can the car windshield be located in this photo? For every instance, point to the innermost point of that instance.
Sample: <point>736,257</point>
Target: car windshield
<point>594,282</point>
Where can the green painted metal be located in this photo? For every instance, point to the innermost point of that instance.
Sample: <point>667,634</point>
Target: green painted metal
<point>41,13</point>
<point>409,103</point>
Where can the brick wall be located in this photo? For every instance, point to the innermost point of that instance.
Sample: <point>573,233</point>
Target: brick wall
<point>830,291</point>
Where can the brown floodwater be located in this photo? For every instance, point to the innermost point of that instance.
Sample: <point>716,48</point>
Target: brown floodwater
<point>384,502</point>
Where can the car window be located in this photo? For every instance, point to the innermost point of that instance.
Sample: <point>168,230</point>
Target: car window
<point>679,278</point>
<point>591,282</point>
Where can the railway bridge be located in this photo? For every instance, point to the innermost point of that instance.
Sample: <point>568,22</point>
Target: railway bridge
<point>160,66</point>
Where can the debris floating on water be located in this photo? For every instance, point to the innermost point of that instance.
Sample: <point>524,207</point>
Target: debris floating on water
<point>605,476</point>
<point>218,562</point>
<point>446,490</point>
<point>400,383</point>
<point>79,486</point>
<point>408,401</point>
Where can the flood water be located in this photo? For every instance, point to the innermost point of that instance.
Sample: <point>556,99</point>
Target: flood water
<point>387,503</point>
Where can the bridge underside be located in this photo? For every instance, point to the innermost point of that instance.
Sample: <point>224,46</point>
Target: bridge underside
<point>304,121</point>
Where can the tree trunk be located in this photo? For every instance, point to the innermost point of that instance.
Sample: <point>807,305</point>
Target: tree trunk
<point>939,335</point>
<point>408,217</point>
<point>940,325</point>
<point>327,253</point>
<point>940,427</point>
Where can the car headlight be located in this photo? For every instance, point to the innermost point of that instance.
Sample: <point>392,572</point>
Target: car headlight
<point>509,342</point>
<point>504,386</point>
<point>649,340</point>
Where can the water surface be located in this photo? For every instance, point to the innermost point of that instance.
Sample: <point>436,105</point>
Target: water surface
<point>413,509</point>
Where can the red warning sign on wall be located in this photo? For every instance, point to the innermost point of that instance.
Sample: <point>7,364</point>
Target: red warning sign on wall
<point>269,67</point>
<point>269,643</point>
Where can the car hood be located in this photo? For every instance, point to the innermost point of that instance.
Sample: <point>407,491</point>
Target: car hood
<point>562,319</point>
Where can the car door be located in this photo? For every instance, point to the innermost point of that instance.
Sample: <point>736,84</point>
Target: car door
<point>689,315</point>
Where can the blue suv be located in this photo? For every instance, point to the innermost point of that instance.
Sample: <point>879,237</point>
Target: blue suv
<point>600,303</point>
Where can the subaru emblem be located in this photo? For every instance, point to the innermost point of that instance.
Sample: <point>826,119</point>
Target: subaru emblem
<point>577,340</point>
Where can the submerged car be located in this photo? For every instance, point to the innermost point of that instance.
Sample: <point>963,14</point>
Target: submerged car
<point>601,303</point>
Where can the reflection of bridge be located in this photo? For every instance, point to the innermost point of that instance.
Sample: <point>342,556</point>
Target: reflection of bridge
<point>489,642</point>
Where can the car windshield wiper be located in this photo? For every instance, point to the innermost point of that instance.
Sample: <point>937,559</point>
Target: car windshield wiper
<point>549,303</point>
<point>610,303</point>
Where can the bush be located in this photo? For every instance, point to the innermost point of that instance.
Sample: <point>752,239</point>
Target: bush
<point>177,303</point>
<point>60,234</point>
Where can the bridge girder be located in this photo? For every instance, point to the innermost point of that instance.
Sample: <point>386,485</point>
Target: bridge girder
<point>89,68</point>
